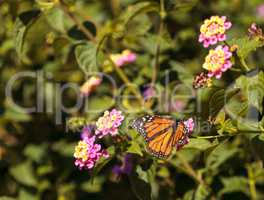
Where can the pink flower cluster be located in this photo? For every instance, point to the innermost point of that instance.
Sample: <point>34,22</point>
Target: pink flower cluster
<point>189,124</point>
<point>218,61</point>
<point>124,58</point>
<point>213,30</point>
<point>109,123</point>
<point>87,153</point>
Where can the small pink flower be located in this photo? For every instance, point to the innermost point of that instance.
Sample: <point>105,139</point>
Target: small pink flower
<point>87,131</point>
<point>260,10</point>
<point>109,123</point>
<point>189,125</point>
<point>149,92</point>
<point>177,106</point>
<point>124,58</point>
<point>254,31</point>
<point>213,30</point>
<point>218,61</point>
<point>90,85</point>
<point>87,153</point>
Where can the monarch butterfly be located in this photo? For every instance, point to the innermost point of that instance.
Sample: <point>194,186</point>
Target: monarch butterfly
<point>161,134</point>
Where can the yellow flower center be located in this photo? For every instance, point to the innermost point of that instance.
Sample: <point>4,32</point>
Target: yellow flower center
<point>215,60</point>
<point>213,26</point>
<point>81,151</point>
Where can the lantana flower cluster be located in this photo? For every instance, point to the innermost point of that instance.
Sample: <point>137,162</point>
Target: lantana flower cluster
<point>213,30</point>
<point>108,124</point>
<point>219,59</point>
<point>124,58</point>
<point>88,152</point>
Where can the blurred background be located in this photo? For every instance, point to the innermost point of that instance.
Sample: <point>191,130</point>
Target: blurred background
<point>36,149</point>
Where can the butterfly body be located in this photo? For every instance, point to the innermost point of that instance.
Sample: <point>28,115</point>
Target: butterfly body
<point>161,133</point>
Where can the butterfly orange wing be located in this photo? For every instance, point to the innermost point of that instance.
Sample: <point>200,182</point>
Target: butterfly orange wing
<point>160,133</point>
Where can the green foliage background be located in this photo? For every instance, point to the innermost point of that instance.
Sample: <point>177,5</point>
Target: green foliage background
<point>36,162</point>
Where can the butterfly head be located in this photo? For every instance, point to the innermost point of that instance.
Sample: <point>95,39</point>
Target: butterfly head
<point>139,122</point>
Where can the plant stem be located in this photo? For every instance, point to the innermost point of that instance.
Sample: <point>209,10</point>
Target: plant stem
<point>115,5</point>
<point>251,182</point>
<point>241,132</point>
<point>226,44</point>
<point>188,168</point>
<point>67,11</point>
<point>125,79</point>
<point>212,136</point>
<point>157,50</point>
<point>244,64</point>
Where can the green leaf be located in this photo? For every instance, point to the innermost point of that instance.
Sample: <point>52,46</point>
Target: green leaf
<point>134,148</point>
<point>184,5</point>
<point>86,55</point>
<point>255,97</point>
<point>23,173</point>
<point>189,154</point>
<point>219,99</point>
<point>220,155</point>
<point>56,19</point>
<point>26,195</point>
<point>226,127</point>
<point>236,108</point>
<point>189,195</point>
<point>96,106</point>
<point>220,118</point>
<point>252,88</point>
<point>64,148</point>
<point>7,198</point>
<point>248,125</point>
<point>140,188</point>
<point>142,174</point>
<point>46,4</point>
<point>103,161</point>
<point>184,74</point>
<point>44,169</point>
<point>234,184</point>
<point>16,113</point>
<point>137,9</point>
<point>35,152</point>
<point>198,143</point>
<point>137,27</point>
<point>22,23</point>
<point>93,186</point>
<point>246,46</point>
<point>202,192</point>
<point>163,172</point>
<point>149,42</point>
<point>75,33</point>
<point>261,137</point>
<point>256,90</point>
